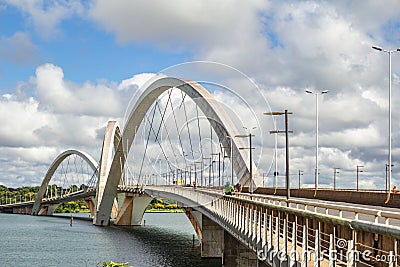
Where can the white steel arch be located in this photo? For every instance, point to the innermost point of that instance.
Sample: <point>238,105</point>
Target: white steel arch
<point>216,115</point>
<point>111,138</point>
<point>89,160</point>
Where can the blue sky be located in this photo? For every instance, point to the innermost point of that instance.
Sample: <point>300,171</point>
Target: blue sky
<point>84,50</point>
<point>75,64</point>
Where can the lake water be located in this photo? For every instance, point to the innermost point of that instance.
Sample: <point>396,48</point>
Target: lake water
<point>165,240</point>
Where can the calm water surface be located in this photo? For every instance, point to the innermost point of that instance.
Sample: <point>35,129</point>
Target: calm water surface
<point>165,240</point>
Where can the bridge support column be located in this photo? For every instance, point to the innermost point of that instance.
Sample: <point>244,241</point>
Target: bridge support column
<point>212,239</point>
<point>218,243</point>
<point>47,209</point>
<point>91,206</point>
<point>131,209</point>
<point>238,255</point>
<point>195,218</point>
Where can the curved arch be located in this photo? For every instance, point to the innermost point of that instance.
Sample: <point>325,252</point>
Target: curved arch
<point>215,114</point>
<point>112,136</point>
<point>43,187</point>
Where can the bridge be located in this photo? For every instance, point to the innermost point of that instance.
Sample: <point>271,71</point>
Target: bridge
<point>255,227</point>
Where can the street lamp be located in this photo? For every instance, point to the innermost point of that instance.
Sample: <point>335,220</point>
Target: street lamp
<point>390,52</point>
<point>276,173</point>
<point>335,171</point>
<point>386,183</point>
<point>358,171</point>
<point>287,146</point>
<point>219,166</point>
<point>251,157</point>
<point>316,134</point>
<point>209,173</point>
<point>264,174</point>
<point>300,173</point>
<point>201,169</point>
<point>231,158</point>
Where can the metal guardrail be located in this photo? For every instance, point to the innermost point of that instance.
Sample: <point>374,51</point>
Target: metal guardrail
<point>379,216</point>
<point>257,222</point>
<point>316,207</point>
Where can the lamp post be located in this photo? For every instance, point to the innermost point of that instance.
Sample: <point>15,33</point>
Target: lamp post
<point>386,183</point>
<point>335,171</point>
<point>389,52</point>
<point>300,173</point>
<point>358,171</point>
<point>264,174</point>
<point>201,169</point>
<point>231,157</point>
<point>287,147</point>
<point>219,166</point>
<point>209,173</point>
<point>316,134</point>
<point>251,189</point>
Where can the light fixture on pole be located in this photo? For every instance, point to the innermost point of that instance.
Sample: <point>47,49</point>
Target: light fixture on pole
<point>287,146</point>
<point>316,134</point>
<point>251,189</point>
<point>219,166</point>
<point>389,52</point>
<point>209,172</point>
<point>386,175</point>
<point>201,171</point>
<point>358,171</point>
<point>276,173</point>
<point>264,175</point>
<point>335,171</point>
<point>231,157</point>
<point>300,174</point>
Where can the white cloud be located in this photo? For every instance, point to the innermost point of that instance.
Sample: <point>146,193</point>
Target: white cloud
<point>62,115</point>
<point>45,16</point>
<point>63,97</point>
<point>178,23</point>
<point>136,81</point>
<point>285,46</point>
<point>18,49</point>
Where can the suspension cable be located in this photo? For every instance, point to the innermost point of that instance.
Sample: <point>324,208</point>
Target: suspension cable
<point>187,125</point>
<point>179,135</point>
<point>158,141</point>
<point>198,126</point>
<point>166,129</point>
<point>147,141</point>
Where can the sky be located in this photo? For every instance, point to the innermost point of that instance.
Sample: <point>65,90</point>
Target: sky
<point>67,67</point>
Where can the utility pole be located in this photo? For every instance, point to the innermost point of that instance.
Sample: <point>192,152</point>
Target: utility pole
<point>286,113</point>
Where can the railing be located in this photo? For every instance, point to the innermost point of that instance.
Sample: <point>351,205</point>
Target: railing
<point>60,198</point>
<point>321,207</point>
<point>263,224</point>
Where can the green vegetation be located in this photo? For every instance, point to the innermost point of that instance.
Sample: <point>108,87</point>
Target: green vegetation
<point>113,264</point>
<point>28,193</point>
<point>15,195</point>
<point>72,207</point>
<point>162,205</point>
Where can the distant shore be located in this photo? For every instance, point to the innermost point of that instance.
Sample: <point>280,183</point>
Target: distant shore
<point>164,211</point>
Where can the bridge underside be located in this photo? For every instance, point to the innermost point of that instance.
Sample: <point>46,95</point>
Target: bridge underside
<point>216,242</point>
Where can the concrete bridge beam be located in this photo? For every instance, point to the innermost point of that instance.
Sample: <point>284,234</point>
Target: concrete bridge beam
<point>212,245</point>
<point>131,209</point>
<point>22,210</point>
<point>91,205</point>
<point>237,254</point>
<point>218,243</point>
<point>195,218</point>
<point>47,209</point>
